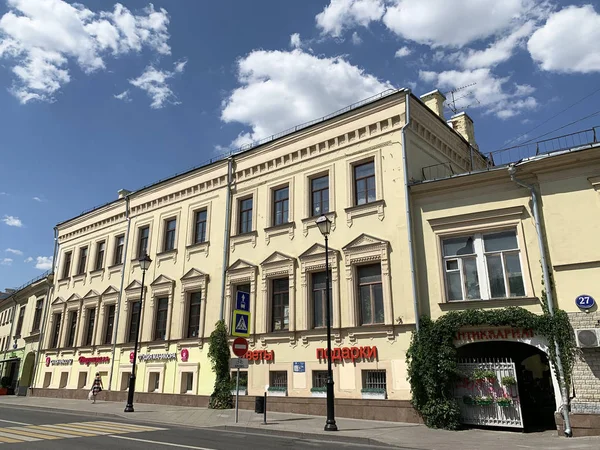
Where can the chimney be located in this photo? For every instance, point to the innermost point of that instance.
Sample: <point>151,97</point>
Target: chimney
<point>434,100</point>
<point>123,193</point>
<point>463,125</point>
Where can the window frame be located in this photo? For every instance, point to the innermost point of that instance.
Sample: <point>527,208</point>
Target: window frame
<point>366,384</point>
<point>161,325</point>
<point>371,295</point>
<point>37,315</point>
<point>280,293</point>
<point>72,330</point>
<point>316,376</point>
<point>66,266</point>
<point>90,324</point>
<point>141,239</point>
<point>355,180</point>
<point>190,314</point>
<point>285,205</point>
<point>170,235</point>
<point>324,303</point>
<point>131,330</point>
<point>20,321</point>
<point>203,223</point>
<point>273,374</point>
<point>100,254</point>
<point>55,338</point>
<point>109,325</point>
<point>119,250</point>
<point>83,257</point>
<point>241,213</point>
<point>312,192</point>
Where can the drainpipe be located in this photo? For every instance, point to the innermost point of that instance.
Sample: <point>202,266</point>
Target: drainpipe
<point>118,307</point>
<point>564,408</point>
<point>409,228</point>
<point>226,233</point>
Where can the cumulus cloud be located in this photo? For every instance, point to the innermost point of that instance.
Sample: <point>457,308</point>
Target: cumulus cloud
<point>124,96</point>
<point>356,39</point>
<point>155,83</point>
<point>568,42</point>
<point>14,251</point>
<point>28,259</point>
<point>6,262</point>
<point>43,263</point>
<point>281,89</point>
<point>12,221</point>
<point>295,41</point>
<point>39,38</point>
<point>402,52</point>
<point>340,15</point>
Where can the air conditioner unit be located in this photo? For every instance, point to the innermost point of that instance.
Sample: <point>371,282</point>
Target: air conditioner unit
<point>588,337</point>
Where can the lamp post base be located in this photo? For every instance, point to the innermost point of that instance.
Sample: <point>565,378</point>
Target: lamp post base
<point>130,392</point>
<point>129,408</point>
<point>331,426</point>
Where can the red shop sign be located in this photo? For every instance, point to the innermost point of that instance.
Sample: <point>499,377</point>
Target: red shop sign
<point>260,355</point>
<point>348,353</point>
<point>494,334</point>
<point>94,360</point>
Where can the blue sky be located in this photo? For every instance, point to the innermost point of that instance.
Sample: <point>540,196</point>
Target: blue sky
<point>97,96</point>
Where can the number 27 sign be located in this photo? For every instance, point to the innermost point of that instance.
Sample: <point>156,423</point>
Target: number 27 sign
<point>585,301</point>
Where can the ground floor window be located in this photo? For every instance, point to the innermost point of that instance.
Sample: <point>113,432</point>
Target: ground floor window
<point>374,379</point>
<point>64,377</point>
<point>154,382</point>
<point>243,379</point>
<point>187,382</point>
<point>125,381</point>
<point>82,380</point>
<point>47,379</point>
<point>278,379</point>
<point>319,378</point>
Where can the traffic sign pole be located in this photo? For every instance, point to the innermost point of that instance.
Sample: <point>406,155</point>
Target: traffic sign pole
<point>237,393</point>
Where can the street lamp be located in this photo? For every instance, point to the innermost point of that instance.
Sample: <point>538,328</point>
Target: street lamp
<point>324,225</point>
<point>144,264</point>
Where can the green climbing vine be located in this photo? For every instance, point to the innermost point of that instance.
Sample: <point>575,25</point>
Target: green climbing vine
<point>219,356</point>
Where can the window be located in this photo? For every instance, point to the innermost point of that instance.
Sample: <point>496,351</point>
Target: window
<point>243,380</point>
<point>281,205</point>
<point>278,379</point>
<point>134,320</point>
<point>245,225</point>
<point>170,229</point>
<point>72,329</point>
<point>89,335</point>
<point>319,299</point>
<point>319,378</point>
<point>110,323</point>
<point>280,305</point>
<point>37,317</point>
<point>142,249</point>
<point>319,191</point>
<point>374,379</point>
<point>83,254</point>
<point>370,294</point>
<point>160,326</point>
<point>56,331</point>
<point>194,315</point>
<point>200,227</point>
<point>364,183</point>
<point>20,321</point>
<point>67,265</point>
<point>188,378</point>
<point>100,249</point>
<point>483,266</point>
<point>119,247</point>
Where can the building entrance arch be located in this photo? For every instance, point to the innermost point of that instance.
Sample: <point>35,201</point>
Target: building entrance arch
<point>27,373</point>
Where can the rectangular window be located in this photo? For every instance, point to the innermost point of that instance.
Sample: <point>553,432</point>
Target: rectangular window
<point>364,183</point>
<point>110,323</point>
<point>245,222</point>
<point>67,265</point>
<point>319,378</point>
<point>144,233</point>
<point>483,266</point>
<point>20,321</point>
<point>56,331</point>
<point>194,315</point>
<point>200,227</point>
<point>89,335</point>
<point>318,299</point>
<point>160,326</point>
<point>134,320</point>
<point>243,380</point>
<point>370,294</point>
<point>281,205</point>
<point>189,381</point>
<point>72,329</point>
<point>170,229</point>
<point>374,379</point>
<point>119,248</point>
<point>280,309</point>
<point>278,379</point>
<point>319,195</point>
<point>100,249</point>
<point>37,316</point>
<point>83,254</point>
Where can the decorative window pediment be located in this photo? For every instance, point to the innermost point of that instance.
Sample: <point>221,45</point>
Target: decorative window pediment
<point>163,285</point>
<point>91,294</point>
<point>58,301</point>
<point>111,290</point>
<point>277,258</point>
<point>366,248</point>
<point>73,298</point>
<point>194,279</point>
<point>240,264</point>
<point>110,295</point>
<point>133,290</point>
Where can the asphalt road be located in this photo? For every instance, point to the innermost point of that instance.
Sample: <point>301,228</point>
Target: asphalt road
<point>29,429</point>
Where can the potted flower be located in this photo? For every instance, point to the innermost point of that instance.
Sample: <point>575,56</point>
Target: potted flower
<point>373,393</point>
<point>504,401</point>
<point>508,381</point>
<point>482,375</point>
<point>320,391</point>
<point>275,391</point>
<point>483,401</point>
<point>4,385</point>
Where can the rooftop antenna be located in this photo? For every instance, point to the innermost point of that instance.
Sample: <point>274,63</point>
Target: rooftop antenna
<point>451,102</point>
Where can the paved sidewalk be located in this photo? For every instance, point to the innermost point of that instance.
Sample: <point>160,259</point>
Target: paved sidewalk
<point>395,434</point>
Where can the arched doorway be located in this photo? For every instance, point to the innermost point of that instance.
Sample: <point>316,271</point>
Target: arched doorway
<point>534,379</point>
<point>27,373</point>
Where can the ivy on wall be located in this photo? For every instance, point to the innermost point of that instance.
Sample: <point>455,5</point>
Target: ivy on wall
<point>432,357</point>
<point>219,356</point>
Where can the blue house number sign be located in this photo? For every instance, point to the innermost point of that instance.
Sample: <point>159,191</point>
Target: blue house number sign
<point>585,301</point>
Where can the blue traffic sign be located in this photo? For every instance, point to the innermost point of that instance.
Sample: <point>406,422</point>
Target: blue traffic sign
<point>299,367</point>
<point>241,323</point>
<point>585,301</point>
<point>242,301</point>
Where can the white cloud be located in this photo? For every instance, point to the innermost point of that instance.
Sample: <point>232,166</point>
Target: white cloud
<point>295,41</point>
<point>28,259</point>
<point>282,89</point>
<point>14,251</point>
<point>3,193</point>
<point>37,199</point>
<point>12,221</point>
<point>123,96</point>
<point>568,42</point>
<point>43,262</point>
<point>356,39</point>
<point>6,262</point>
<point>40,37</point>
<point>402,52</point>
<point>343,14</point>
<point>155,83</point>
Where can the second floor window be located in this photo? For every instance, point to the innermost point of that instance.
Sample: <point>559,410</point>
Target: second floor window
<point>134,320</point>
<point>37,316</point>
<point>281,205</point>
<point>56,331</point>
<point>200,227</point>
<point>245,225</point>
<point>67,265</point>
<point>91,321</point>
<point>110,324</point>
<point>170,229</point>
<point>370,294</point>
<point>119,249</point>
<point>83,254</point>
<point>100,249</point>
<point>160,326</point>
<point>72,329</point>
<point>319,299</point>
<point>280,305</point>
<point>319,191</point>
<point>364,183</point>
<point>20,321</point>
<point>143,241</point>
<point>194,315</point>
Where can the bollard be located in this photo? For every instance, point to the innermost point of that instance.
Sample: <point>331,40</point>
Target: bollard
<point>265,411</point>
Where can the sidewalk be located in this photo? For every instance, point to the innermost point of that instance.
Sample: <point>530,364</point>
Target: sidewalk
<point>351,430</point>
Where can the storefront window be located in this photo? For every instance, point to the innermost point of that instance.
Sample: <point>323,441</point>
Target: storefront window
<point>278,379</point>
<point>319,378</point>
<point>374,379</point>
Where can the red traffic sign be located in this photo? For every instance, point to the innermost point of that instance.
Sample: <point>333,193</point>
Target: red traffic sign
<point>240,347</point>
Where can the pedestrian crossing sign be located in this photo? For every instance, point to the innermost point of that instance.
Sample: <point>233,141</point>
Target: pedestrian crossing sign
<point>241,323</point>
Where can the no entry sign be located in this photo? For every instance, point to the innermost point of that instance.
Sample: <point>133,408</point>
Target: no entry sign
<point>240,347</point>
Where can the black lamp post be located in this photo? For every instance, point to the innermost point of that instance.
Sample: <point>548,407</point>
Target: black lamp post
<point>324,225</point>
<point>144,264</point>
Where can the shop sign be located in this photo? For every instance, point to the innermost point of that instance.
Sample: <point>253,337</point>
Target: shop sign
<point>94,360</point>
<point>158,357</point>
<point>58,362</point>
<point>494,334</point>
<point>260,355</point>
<point>185,354</point>
<point>348,353</point>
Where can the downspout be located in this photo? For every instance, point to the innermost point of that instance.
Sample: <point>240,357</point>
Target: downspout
<point>226,233</point>
<point>118,308</point>
<point>512,170</point>
<point>409,228</point>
